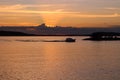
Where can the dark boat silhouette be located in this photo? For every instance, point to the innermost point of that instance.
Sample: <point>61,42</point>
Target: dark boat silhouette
<point>70,40</point>
<point>66,40</point>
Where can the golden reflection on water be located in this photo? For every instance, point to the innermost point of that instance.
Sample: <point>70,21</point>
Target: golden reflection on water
<point>83,60</point>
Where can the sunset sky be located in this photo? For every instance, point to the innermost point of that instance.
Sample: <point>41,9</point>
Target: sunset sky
<point>78,13</point>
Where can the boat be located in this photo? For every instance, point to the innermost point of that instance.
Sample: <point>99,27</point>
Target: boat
<point>66,40</point>
<point>70,40</point>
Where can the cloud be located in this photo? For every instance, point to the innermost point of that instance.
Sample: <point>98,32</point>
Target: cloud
<point>32,7</point>
<point>36,9</point>
<point>19,6</point>
<point>96,16</point>
<point>65,13</point>
<point>111,8</point>
<point>12,7</point>
<point>23,9</point>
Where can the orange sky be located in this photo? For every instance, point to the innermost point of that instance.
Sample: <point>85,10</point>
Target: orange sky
<point>76,13</point>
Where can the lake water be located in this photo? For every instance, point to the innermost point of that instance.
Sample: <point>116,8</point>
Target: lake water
<point>28,58</point>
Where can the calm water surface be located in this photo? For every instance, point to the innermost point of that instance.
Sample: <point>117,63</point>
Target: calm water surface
<point>28,58</point>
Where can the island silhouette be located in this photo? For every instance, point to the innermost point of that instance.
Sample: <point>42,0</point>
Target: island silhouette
<point>100,36</point>
<point>14,33</point>
<point>44,30</point>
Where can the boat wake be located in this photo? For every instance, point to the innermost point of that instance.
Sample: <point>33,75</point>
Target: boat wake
<point>66,40</point>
